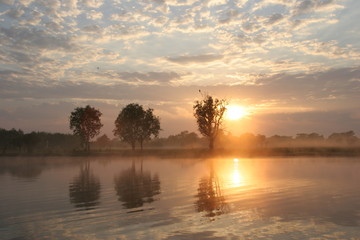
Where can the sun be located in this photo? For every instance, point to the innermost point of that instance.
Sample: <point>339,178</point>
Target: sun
<point>235,112</point>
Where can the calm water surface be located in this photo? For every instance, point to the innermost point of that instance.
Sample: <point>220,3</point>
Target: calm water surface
<point>144,198</point>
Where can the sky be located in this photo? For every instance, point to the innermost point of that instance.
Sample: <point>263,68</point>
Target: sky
<point>292,64</point>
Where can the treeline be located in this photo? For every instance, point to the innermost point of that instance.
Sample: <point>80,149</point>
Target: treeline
<point>248,140</point>
<point>191,140</point>
<point>17,142</point>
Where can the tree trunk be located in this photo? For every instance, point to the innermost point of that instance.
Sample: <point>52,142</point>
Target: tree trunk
<point>133,145</point>
<point>211,143</point>
<point>4,149</point>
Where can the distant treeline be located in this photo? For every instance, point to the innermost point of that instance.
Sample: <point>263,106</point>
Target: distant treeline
<point>248,140</point>
<point>17,142</point>
<point>344,139</point>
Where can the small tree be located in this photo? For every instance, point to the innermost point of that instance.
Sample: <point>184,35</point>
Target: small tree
<point>134,124</point>
<point>209,114</point>
<point>85,122</point>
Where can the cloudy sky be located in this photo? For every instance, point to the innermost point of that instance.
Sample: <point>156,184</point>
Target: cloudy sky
<point>293,64</point>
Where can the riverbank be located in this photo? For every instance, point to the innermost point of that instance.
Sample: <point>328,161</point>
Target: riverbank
<point>201,152</point>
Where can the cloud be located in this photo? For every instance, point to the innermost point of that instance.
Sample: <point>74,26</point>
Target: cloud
<point>92,3</point>
<point>195,59</point>
<point>7,2</point>
<point>94,15</point>
<point>228,16</point>
<point>213,3</point>
<point>149,77</point>
<point>23,38</point>
<point>322,122</point>
<point>93,29</point>
<point>15,12</point>
<point>307,6</point>
<point>274,18</point>
<point>328,49</point>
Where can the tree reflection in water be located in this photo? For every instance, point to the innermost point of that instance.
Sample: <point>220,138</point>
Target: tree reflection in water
<point>23,168</point>
<point>209,196</point>
<point>84,190</point>
<point>134,188</point>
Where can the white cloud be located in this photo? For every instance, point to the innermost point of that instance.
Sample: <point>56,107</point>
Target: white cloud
<point>94,15</point>
<point>212,3</point>
<point>92,3</point>
<point>195,59</point>
<point>15,12</point>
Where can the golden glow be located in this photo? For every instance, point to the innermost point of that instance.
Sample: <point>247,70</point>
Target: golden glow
<point>237,177</point>
<point>234,173</point>
<point>235,112</point>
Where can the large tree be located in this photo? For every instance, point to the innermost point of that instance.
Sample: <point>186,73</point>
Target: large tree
<point>134,124</point>
<point>209,114</point>
<point>85,122</point>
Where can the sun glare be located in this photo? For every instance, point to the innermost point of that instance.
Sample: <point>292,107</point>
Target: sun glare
<point>235,112</point>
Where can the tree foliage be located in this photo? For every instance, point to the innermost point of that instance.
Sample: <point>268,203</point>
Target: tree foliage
<point>85,122</point>
<point>209,114</point>
<point>134,124</point>
<point>103,141</point>
<point>10,138</point>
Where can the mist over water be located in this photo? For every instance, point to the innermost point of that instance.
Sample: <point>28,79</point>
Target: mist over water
<point>153,198</point>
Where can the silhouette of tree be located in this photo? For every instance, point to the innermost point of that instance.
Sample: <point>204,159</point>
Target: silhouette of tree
<point>84,190</point>
<point>9,138</point>
<point>85,122</point>
<point>134,124</point>
<point>183,139</point>
<point>209,114</point>
<point>209,196</point>
<point>277,141</point>
<point>30,141</point>
<point>134,188</point>
<point>345,138</point>
<point>103,141</point>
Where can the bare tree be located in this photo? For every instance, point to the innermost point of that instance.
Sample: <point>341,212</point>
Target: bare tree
<point>209,114</point>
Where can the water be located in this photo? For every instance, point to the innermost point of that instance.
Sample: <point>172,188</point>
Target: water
<point>147,198</point>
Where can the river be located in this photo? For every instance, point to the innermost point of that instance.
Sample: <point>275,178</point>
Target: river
<point>162,198</point>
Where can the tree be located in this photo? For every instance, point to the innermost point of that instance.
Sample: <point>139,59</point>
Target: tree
<point>344,138</point>
<point>30,140</point>
<point>209,114</point>
<point>134,124</point>
<point>8,138</point>
<point>103,141</point>
<point>150,125</point>
<point>85,122</point>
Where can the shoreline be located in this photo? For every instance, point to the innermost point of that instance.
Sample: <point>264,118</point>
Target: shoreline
<point>203,152</point>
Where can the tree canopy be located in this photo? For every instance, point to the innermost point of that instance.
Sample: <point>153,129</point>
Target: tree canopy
<point>209,114</point>
<point>134,124</point>
<point>85,122</point>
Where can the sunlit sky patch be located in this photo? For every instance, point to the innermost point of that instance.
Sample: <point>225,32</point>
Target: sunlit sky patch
<point>294,57</point>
